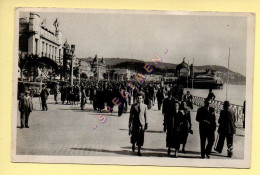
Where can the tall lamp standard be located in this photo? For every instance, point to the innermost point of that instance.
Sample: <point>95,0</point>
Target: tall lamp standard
<point>79,71</point>
<point>71,74</point>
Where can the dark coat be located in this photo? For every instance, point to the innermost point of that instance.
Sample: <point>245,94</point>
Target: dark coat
<point>92,94</point>
<point>211,96</point>
<point>227,122</point>
<point>160,96</point>
<point>184,126</point>
<point>173,130</point>
<point>207,119</point>
<point>168,107</point>
<point>63,93</point>
<point>25,104</point>
<point>44,95</point>
<point>76,93</point>
<point>100,99</point>
<point>110,97</point>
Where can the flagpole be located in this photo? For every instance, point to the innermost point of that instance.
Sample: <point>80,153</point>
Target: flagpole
<point>228,74</point>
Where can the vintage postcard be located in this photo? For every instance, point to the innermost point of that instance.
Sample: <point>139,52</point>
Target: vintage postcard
<point>131,87</point>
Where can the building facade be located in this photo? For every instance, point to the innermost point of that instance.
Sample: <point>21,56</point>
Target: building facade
<point>35,39</point>
<point>98,67</point>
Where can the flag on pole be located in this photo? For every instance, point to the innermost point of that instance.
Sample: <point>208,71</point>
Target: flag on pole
<point>56,23</point>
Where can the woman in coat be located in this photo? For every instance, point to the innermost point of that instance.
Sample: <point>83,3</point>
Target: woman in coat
<point>184,127</point>
<point>172,136</point>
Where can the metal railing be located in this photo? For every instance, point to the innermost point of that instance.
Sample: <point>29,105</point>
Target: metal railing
<point>218,105</point>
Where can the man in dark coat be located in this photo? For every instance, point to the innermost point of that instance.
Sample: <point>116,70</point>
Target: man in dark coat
<point>110,96</point>
<point>44,97</point>
<point>55,93</point>
<point>63,93</point>
<point>207,126</point>
<point>76,94</point>
<point>226,129</point>
<point>25,107</point>
<point>160,98</point>
<point>147,98</point>
<point>167,109</point>
<point>211,95</point>
<point>122,100</point>
<point>100,99</point>
<point>151,92</point>
<point>138,123</point>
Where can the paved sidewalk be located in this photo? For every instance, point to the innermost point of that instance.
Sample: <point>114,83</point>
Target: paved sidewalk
<point>66,130</point>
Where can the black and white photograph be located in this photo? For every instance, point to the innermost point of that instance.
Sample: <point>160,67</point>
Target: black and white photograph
<point>133,87</point>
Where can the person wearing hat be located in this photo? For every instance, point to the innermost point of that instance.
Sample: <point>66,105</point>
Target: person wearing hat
<point>226,129</point>
<point>138,123</point>
<point>44,96</point>
<point>25,108</point>
<point>207,126</point>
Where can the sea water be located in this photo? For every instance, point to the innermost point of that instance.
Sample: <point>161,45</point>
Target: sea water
<point>236,94</point>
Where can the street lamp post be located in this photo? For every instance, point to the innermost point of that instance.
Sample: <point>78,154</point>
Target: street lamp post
<point>79,71</point>
<point>71,74</point>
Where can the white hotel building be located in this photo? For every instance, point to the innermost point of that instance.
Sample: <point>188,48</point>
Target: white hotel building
<point>35,38</point>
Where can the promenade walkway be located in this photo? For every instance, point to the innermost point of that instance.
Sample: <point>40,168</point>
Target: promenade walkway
<point>66,130</point>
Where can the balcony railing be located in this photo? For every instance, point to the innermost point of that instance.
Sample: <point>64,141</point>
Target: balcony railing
<point>218,105</point>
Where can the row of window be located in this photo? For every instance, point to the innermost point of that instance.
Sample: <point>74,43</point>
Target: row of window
<point>48,50</point>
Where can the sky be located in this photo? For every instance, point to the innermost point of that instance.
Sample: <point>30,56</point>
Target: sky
<point>207,39</point>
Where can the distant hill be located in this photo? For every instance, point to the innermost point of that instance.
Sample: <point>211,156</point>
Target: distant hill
<point>137,65</point>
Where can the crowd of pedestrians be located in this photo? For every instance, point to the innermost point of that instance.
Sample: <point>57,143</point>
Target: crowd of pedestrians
<point>175,106</point>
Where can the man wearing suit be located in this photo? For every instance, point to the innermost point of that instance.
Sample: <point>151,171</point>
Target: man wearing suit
<point>207,126</point>
<point>138,122</point>
<point>160,98</point>
<point>226,129</point>
<point>44,96</point>
<point>25,107</point>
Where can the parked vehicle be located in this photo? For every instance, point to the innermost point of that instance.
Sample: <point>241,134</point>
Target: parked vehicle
<point>34,88</point>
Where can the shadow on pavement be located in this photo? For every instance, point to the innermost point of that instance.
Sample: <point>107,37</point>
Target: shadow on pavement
<point>187,154</point>
<point>122,152</point>
<point>148,131</point>
<point>106,114</point>
<point>146,154</point>
<point>240,135</point>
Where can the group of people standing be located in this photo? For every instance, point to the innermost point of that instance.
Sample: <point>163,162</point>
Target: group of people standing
<point>69,94</point>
